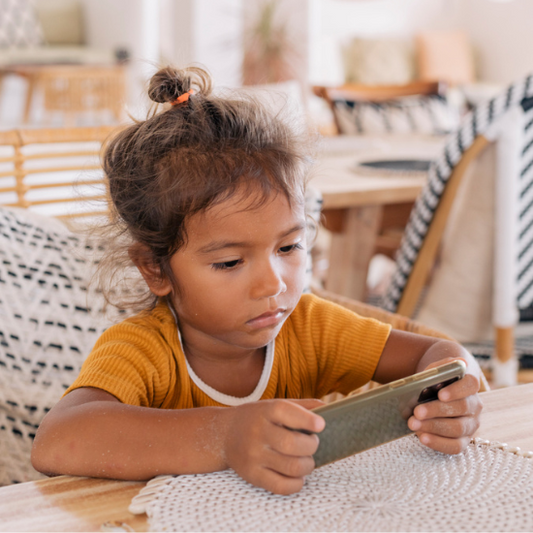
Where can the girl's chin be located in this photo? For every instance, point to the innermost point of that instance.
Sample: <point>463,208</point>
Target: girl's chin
<point>261,337</point>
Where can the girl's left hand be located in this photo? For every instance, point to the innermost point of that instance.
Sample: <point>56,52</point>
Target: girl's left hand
<point>447,424</point>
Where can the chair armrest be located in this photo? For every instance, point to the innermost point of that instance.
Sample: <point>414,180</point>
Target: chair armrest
<point>399,322</point>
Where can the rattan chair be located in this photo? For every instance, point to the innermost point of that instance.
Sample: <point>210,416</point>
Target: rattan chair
<point>54,171</point>
<point>74,90</point>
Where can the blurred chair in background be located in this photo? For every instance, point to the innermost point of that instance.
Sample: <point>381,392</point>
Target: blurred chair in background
<point>44,43</point>
<point>416,108</point>
<point>75,91</point>
<point>54,171</point>
<point>484,273</point>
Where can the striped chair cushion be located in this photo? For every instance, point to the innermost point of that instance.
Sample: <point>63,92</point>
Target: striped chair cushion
<point>410,114</point>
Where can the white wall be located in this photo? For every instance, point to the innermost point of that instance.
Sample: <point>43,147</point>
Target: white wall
<point>210,31</point>
<point>374,18</point>
<point>179,32</point>
<point>206,32</point>
<point>502,33</point>
<point>335,22</point>
<point>131,25</point>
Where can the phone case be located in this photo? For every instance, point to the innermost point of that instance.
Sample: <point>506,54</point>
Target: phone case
<point>360,422</point>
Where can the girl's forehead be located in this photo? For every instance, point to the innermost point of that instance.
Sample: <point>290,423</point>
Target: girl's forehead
<point>244,214</point>
<point>256,203</point>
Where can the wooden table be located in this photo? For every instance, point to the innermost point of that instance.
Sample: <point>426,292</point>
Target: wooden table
<point>354,200</point>
<point>82,504</point>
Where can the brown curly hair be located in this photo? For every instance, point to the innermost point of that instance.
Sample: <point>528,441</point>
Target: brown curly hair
<point>186,158</point>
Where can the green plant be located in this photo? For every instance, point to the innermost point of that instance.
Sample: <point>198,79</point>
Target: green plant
<point>269,51</point>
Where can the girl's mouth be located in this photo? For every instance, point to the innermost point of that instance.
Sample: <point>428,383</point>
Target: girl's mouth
<point>269,319</point>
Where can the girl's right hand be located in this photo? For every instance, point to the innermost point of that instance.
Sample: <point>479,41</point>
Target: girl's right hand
<point>262,449</point>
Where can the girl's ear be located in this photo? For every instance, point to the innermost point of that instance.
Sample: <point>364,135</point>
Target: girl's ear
<point>142,258</point>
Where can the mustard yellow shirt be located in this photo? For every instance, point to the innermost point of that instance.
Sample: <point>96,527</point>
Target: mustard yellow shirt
<point>321,348</point>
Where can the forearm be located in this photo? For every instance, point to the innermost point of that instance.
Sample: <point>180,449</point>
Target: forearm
<point>113,440</point>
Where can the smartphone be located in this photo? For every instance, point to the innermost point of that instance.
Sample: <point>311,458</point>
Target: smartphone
<point>365,420</point>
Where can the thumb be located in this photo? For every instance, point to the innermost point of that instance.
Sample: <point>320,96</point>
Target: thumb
<point>318,422</point>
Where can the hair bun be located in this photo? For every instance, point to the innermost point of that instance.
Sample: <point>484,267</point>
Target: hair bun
<point>169,83</point>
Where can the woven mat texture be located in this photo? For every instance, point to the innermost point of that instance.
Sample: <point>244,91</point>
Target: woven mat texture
<point>400,486</point>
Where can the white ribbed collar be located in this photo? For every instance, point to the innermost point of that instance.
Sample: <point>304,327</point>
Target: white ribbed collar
<point>227,399</point>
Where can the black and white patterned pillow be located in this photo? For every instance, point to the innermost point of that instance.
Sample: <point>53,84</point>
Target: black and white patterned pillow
<point>411,114</point>
<point>50,319</point>
<point>19,25</point>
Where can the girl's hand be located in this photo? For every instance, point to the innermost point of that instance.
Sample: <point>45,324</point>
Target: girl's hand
<point>263,448</point>
<point>447,424</point>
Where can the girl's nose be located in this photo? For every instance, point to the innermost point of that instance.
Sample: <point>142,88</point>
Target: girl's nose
<point>268,282</point>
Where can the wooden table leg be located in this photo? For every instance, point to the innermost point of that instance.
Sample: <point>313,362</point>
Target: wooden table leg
<point>353,241</point>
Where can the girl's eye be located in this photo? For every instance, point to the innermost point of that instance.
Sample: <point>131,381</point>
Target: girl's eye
<point>226,265</point>
<point>290,248</point>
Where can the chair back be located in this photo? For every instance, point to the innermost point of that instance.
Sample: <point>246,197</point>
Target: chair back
<point>430,213</point>
<point>379,93</point>
<point>417,107</point>
<point>54,171</point>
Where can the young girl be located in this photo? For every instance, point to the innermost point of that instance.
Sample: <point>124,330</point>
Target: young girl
<point>228,356</point>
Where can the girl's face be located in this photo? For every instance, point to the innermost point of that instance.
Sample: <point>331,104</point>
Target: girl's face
<point>240,274</point>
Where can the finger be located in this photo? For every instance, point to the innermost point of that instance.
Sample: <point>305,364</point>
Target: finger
<point>288,465</point>
<point>460,389</point>
<point>444,444</point>
<point>470,406</point>
<point>293,415</point>
<point>463,426</point>
<point>290,442</point>
<point>278,483</point>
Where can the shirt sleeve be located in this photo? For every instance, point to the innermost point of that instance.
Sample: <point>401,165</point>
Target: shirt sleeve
<point>346,346</point>
<point>131,362</point>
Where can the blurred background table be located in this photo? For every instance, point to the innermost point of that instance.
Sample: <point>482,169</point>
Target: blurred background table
<point>83,504</point>
<point>360,203</point>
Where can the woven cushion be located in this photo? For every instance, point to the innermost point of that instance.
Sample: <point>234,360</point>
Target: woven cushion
<point>379,61</point>
<point>411,114</point>
<point>61,22</point>
<point>18,24</point>
<point>49,322</point>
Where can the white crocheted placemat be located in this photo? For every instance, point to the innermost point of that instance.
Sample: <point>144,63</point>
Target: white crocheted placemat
<point>400,486</point>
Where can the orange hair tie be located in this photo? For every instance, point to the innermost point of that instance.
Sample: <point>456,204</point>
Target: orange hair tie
<point>183,98</point>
